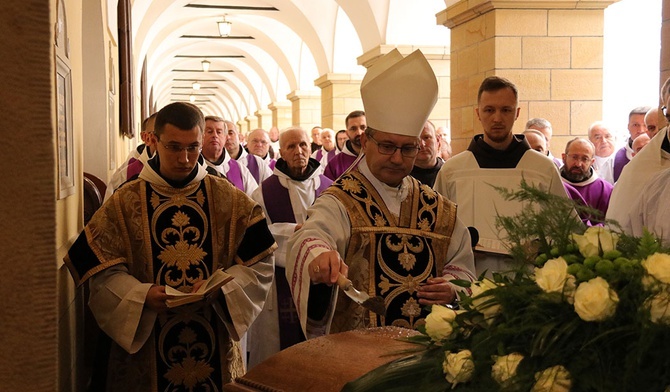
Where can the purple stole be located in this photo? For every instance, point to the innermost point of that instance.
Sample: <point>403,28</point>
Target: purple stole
<point>338,165</point>
<point>278,206</point>
<point>252,165</point>
<point>134,168</point>
<point>234,174</point>
<point>331,154</point>
<point>272,164</point>
<point>620,160</point>
<point>319,154</point>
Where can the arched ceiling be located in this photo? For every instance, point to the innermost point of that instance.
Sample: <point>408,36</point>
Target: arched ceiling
<point>275,46</point>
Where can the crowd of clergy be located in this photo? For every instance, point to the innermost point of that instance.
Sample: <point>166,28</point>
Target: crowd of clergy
<point>381,203</point>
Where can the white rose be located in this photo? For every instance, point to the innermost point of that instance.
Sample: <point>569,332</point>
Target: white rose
<point>595,300</point>
<point>505,367</point>
<point>483,303</point>
<point>658,266</point>
<point>439,323</point>
<point>659,308</point>
<point>552,276</point>
<point>594,240</point>
<point>553,379</point>
<point>458,367</point>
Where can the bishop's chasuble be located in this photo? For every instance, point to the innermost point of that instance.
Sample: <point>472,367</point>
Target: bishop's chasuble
<point>389,254</point>
<point>152,233</point>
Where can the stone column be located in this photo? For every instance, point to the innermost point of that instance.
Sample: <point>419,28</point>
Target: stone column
<point>439,59</point>
<point>340,95</point>
<point>264,119</point>
<point>305,108</point>
<point>552,51</point>
<point>242,126</point>
<point>281,114</point>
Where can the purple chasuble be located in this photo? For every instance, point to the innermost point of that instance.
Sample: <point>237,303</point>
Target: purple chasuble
<point>278,206</point>
<point>234,174</point>
<point>620,160</point>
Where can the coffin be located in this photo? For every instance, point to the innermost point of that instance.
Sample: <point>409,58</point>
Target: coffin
<point>327,363</point>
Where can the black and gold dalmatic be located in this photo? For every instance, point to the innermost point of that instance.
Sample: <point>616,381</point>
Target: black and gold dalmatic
<point>391,256</point>
<point>175,237</point>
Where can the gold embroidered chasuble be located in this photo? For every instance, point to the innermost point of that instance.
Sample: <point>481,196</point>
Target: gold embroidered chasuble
<point>176,237</point>
<point>391,256</point>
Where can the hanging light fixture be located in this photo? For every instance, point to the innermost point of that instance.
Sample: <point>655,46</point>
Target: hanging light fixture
<point>224,27</point>
<point>191,98</point>
<point>196,86</point>
<point>205,65</point>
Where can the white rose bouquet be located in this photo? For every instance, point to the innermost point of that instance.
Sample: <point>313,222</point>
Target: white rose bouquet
<point>587,310</point>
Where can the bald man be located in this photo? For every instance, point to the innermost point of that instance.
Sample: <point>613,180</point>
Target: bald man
<point>578,172</point>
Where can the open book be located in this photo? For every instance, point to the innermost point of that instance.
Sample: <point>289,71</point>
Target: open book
<point>218,279</point>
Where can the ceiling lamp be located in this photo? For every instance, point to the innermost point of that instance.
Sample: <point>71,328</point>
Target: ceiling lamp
<point>205,65</point>
<point>191,98</point>
<point>196,86</point>
<point>224,27</point>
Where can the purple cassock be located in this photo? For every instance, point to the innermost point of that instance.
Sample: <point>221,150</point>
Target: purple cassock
<point>278,206</point>
<point>594,192</point>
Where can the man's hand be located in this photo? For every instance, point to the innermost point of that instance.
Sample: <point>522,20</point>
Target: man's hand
<point>326,267</point>
<point>436,291</point>
<point>156,298</point>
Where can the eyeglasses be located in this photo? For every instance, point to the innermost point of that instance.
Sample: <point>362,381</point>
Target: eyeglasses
<point>177,149</point>
<point>583,159</point>
<point>664,109</point>
<point>390,149</point>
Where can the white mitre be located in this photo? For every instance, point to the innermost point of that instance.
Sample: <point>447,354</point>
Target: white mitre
<point>399,93</point>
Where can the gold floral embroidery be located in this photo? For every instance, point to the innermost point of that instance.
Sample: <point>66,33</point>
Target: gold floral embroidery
<point>424,224</point>
<point>379,220</point>
<point>411,308</point>
<point>189,372</point>
<point>351,185</point>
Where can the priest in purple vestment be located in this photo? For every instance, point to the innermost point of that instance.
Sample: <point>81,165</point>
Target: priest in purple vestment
<point>578,172</point>
<point>218,162</point>
<point>285,196</point>
<point>636,127</point>
<point>356,125</point>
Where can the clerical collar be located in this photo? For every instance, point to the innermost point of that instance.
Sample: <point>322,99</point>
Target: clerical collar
<point>155,164</point>
<point>239,153</point>
<point>312,166</point>
<point>490,158</point>
<point>218,161</point>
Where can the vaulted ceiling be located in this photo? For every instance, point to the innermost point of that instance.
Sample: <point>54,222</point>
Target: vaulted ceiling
<point>275,47</point>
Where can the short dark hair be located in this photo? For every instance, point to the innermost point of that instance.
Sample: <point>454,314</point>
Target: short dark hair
<point>639,110</point>
<point>495,83</point>
<point>182,115</point>
<point>146,121</point>
<point>354,114</point>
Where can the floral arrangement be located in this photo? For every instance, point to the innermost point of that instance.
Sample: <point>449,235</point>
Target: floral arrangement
<point>589,310</point>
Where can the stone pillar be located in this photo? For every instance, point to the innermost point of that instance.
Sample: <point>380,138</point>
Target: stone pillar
<point>242,126</point>
<point>251,122</point>
<point>264,119</point>
<point>340,95</point>
<point>439,59</point>
<point>305,108</point>
<point>281,114</point>
<point>552,51</point>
